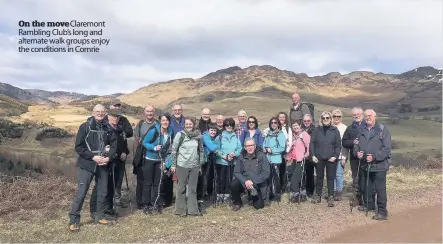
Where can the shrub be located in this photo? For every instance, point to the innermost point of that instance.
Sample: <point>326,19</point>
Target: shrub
<point>52,132</point>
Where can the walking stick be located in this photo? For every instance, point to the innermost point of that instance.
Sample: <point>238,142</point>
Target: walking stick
<point>129,191</point>
<point>367,192</point>
<point>301,180</point>
<point>114,203</point>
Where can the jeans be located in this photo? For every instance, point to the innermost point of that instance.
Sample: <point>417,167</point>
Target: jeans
<point>338,186</point>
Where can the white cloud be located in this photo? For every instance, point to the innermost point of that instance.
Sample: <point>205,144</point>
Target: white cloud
<point>160,40</point>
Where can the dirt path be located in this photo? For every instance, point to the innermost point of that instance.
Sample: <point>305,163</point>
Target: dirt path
<point>417,225</point>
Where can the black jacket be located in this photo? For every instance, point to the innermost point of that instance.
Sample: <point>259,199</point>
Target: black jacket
<point>255,168</point>
<point>203,125</point>
<point>122,144</point>
<point>97,136</point>
<point>325,142</point>
<point>376,142</point>
<point>124,126</point>
<point>351,133</point>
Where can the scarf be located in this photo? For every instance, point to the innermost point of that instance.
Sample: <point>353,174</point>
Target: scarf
<point>193,134</point>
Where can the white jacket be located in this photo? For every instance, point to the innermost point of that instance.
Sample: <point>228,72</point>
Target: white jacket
<point>344,151</point>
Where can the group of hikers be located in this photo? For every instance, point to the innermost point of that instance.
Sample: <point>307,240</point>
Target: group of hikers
<point>220,160</point>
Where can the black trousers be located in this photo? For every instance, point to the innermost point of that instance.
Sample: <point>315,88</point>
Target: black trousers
<point>310,180</point>
<point>118,171</point>
<point>139,187</point>
<point>202,183</point>
<point>210,174</point>
<point>331,171</point>
<point>224,178</point>
<point>295,170</point>
<point>377,184</point>
<point>274,181</point>
<point>283,179</point>
<point>167,189</point>
<point>151,180</point>
<point>237,189</point>
<point>98,201</point>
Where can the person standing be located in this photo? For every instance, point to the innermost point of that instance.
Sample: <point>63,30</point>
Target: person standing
<point>374,150</point>
<point>274,145</point>
<point>140,131</point>
<point>187,157</point>
<point>325,149</point>
<point>348,141</point>
<point>95,148</point>
<point>156,142</point>
<point>341,162</point>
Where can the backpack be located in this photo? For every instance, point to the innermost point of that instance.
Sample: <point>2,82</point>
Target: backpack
<point>311,109</point>
<point>382,127</point>
<point>141,150</point>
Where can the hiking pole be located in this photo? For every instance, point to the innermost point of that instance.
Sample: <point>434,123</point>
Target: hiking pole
<point>367,192</point>
<point>214,191</point>
<point>301,180</point>
<point>277,173</point>
<point>129,191</point>
<point>355,190</point>
<point>161,178</point>
<point>114,205</point>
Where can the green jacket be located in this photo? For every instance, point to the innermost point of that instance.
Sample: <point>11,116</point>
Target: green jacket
<point>189,154</point>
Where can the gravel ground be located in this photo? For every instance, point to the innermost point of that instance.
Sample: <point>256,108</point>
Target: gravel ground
<point>278,223</point>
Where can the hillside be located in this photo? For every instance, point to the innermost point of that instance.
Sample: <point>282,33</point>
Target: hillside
<point>366,88</point>
<point>11,107</point>
<point>57,96</point>
<point>23,95</point>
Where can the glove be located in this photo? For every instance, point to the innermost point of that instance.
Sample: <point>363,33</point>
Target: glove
<point>314,159</point>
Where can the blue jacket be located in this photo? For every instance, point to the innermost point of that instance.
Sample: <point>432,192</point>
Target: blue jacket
<point>209,145</point>
<point>227,143</point>
<point>177,126</point>
<point>258,137</point>
<point>277,143</point>
<point>150,152</point>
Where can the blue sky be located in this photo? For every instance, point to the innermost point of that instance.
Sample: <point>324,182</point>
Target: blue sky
<point>153,41</point>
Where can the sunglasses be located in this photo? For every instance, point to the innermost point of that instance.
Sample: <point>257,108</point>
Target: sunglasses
<point>325,118</point>
<point>251,122</point>
<point>274,122</point>
<point>336,116</point>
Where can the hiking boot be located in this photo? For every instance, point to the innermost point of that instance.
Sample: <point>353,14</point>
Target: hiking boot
<point>74,227</point>
<point>105,221</point>
<point>111,212</point>
<point>201,208</point>
<point>337,196</point>
<point>277,198</point>
<point>316,199</point>
<point>199,214</point>
<point>363,209</point>
<point>236,207</point>
<point>159,209</point>
<point>121,204</point>
<point>330,201</point>
<point>380,217</point>
<point>294,196</point>
<point>148,210</point>
<point>219,199</point>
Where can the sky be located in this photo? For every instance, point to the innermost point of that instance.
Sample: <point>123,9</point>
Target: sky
<point>154,41</point>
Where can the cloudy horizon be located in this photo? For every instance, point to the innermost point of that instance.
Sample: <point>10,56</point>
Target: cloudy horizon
<point>154,41</point>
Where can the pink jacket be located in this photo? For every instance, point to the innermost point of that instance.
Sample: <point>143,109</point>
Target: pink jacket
<point>298,148</point>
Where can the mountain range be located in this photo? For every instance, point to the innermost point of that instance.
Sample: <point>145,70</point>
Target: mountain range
<point>420,87</point>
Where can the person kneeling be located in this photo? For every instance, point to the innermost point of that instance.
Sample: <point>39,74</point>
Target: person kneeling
<point>251,172</point>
